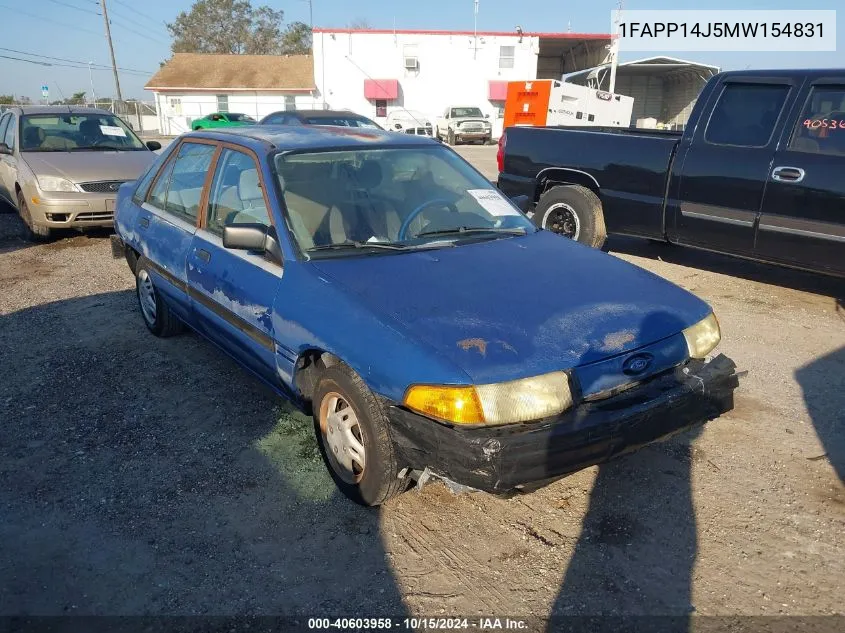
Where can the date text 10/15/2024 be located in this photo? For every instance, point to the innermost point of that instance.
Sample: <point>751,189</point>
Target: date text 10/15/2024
<point>413,624</point>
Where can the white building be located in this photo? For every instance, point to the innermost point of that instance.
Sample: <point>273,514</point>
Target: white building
<point>373,72</point>
<point>193,85</point>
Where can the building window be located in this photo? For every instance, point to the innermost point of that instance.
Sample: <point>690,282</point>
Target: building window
<point>381,107</point>
<point>506,54</point>
<point>222,103</point>
<point>290,102</point>
<point>176,105</point>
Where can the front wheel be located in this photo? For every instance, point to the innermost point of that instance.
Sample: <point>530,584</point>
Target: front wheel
<point>34,232</point>
<point>574,212</point>
<point>157,315</point>
<point>354,438</point>
<point>450,137</point>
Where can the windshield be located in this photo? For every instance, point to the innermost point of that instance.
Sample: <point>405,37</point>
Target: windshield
<point>343,122</point>
<point>241,117</point>
<point>76,132</point>
<point>459,113</point>
<point>401,198</point>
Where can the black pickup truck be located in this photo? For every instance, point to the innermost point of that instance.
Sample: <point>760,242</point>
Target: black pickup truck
<point>759,172</point>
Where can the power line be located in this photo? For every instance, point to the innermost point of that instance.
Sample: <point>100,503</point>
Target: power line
<point>29,61</point>
<point>143,15</point>
<point>73,6</point>
<point>113,21</point>
<point>75,61</point>
<point>43,19</point>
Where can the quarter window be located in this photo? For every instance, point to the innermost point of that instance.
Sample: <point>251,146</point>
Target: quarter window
<point>187,179</point>
<point>821,128</point>
<point>746,114</point>
<point>236,194</point>
<point>158,195</point>
<point>506,55</point>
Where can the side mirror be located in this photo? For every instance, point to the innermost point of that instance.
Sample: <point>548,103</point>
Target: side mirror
<point>486,116</point>
<point>153,145</point>
<point>523,202</point>
<point>5,149</point>
<point>253,237</point>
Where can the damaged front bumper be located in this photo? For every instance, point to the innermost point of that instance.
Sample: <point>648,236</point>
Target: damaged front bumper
<point>520,456</point>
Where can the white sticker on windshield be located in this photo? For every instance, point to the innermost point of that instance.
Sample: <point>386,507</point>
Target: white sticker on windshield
<point>493,202</point>
<point>112,130</point>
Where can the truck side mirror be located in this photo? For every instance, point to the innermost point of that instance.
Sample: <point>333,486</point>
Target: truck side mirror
<point>486,116</point>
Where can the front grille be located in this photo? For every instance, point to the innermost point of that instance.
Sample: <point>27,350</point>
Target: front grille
<point>94,216</point>
<point>102,186</point>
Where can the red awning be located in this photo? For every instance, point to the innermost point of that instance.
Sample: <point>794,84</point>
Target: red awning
<point>497,90</point>
<point>381,88</point>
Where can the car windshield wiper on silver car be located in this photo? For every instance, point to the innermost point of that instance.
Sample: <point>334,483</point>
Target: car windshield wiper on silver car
<point>466,230</point>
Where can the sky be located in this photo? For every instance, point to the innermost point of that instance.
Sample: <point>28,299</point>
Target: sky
<point>74,30</point>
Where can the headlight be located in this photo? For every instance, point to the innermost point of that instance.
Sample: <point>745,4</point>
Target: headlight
<point>703,337</point>
<point>500,403</point>
<point>54,183</point>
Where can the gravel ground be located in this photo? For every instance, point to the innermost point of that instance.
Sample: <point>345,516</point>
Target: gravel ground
<point>148,476</point>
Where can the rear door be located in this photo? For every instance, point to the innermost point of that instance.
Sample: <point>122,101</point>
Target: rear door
<point>233,291</point>
<point>725,168</point>
<point>803,216</point>
<point>168,220</point>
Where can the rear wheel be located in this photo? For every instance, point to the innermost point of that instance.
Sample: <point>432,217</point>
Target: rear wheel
<point>574,212</point>
<point>157,315</point>
<point>34,232</point>
<point>354,438</point>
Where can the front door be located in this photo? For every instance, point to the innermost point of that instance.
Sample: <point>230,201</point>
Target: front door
<point>232,291</point>
<point>803,216</point>
<point>725,168</point>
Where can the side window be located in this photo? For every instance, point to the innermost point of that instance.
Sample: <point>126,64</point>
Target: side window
<point>158,195</point>
<point>187,179</point>
<point>9,137</point>
<point>144,182</point>
<point>236,196</point>
<point>746,114</point>
<point>4,120</point>
<point>821,128</point>
<point>278,119</point>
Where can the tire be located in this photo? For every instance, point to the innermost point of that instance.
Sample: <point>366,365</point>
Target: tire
<point>437,134</point>
<point>157,316</point>
<point>34,232</point>
<point>450,137</point>
<point>338,390</point>
<point>574,212</point>
<point>199,127</point>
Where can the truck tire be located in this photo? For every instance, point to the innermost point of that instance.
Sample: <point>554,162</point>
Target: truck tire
<point>450,137</point>
<point>574,212</point>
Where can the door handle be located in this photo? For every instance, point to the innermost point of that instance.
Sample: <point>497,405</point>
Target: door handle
<point>788,174</point>
<point>144,222</point>
<point>203,255</point>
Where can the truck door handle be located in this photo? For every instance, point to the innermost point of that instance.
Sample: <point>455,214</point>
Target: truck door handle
<point>144,222</point>
<point>788,174</point>
<point>203,255</point>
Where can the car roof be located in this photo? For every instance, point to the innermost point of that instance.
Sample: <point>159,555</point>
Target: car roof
<point>270,137</point>
<point>326,114</point>
<point>792,73</point>
<point>64,109</point>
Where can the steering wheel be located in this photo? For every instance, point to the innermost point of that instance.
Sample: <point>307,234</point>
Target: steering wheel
<point>403,230</point>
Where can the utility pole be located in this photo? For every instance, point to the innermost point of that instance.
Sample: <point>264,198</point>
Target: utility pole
<point>475,32</point>
<point>111,50</point>
<point>614,47</point>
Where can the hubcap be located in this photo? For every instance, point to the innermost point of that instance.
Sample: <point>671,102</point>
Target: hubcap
<point>147,296</point>
<point>562,219</point>
<point>343,438</point>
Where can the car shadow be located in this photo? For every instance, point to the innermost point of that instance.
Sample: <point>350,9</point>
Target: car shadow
<point>823,385</point>
<point>155,476</point>
<point>637,547</point>
<point>726,265</point>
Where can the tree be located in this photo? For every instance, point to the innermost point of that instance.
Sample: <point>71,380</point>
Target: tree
<point>77,98</point>
<point>236,27</point>
<point>7,99</point>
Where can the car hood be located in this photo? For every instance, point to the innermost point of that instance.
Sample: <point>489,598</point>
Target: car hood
<point>517,307</point>
<point>90,166</point>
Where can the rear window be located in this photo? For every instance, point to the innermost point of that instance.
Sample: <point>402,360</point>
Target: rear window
<point>343,122</point>
<point>746,114</point>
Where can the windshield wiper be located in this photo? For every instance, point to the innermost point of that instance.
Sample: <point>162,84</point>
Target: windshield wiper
<point>356,246</point>
<point>464,230</point>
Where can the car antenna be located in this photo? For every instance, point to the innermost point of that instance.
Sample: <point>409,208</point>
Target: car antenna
<point>62,95</point>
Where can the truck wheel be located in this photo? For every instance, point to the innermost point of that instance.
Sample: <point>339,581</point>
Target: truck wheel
<point>354,438</point>
<point>450,137</point>
<point>574,212</point>
<point>157,316</point>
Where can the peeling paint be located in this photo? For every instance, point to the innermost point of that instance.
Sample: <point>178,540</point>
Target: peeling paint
<point>474,343</point>
<point>616,341</point>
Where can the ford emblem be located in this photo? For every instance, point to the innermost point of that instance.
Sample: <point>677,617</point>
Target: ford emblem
<point>637,364</point>
<point>114,186</point>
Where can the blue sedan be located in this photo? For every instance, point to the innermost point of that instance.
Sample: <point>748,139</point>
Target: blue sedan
<point>383,285</point>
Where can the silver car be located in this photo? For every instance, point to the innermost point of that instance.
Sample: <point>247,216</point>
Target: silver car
<point>61,166</point>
